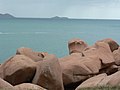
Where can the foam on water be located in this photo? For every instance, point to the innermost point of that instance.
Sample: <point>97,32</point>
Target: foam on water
<point>3,33</point>
<point>23,33</point>
<point>6,33</point>
<point>40,32</point>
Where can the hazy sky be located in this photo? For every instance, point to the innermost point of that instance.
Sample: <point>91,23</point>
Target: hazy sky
<point>67,8</point>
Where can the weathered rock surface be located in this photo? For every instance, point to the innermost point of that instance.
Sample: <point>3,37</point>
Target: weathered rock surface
<point>18,69</point>
<point>76,46</point>
<point>76,68</point>
<point>101,80</point>
<point>36,56</point>
<point>116,55</point>
<point>49,74</point>
<point>92,82</point>
<point>86,66</point>
<point>73,56</point>
<point>112,44</point>
<point>28,86</point>
<point>111,80</point>
<point>5,85</point>
<point>102,51</point>
<point>1,72</point>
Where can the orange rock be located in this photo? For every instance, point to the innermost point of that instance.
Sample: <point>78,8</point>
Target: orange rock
<point>49,74</point>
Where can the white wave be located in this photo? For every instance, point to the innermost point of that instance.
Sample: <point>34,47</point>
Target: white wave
<point>40,32</point>
<point>1,33</point>
<point>6,33</point>
<point>31,33</point>
<point>80,32</point>
<point>24,33</point>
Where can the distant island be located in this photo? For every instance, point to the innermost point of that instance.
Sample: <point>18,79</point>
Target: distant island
<point>57,17</point>
<point>3,16</point>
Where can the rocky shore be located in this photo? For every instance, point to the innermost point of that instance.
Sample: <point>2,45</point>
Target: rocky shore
<point>85,66</point>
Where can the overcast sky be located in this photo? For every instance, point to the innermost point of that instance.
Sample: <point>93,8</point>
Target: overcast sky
<point>67,8</point>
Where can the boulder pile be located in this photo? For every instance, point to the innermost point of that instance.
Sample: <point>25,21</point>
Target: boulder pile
<point>85,66</point>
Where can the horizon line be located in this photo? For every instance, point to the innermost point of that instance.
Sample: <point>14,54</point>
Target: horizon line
<point>67,18</point>
<point>59,17</point>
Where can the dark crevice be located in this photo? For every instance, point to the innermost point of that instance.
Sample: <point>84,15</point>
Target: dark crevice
<point>83,55</point>
<point>72,86</point>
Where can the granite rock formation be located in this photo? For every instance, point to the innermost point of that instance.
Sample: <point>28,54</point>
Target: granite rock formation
<point>85,66</point>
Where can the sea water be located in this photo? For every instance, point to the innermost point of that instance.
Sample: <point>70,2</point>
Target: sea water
<point>52,35</point>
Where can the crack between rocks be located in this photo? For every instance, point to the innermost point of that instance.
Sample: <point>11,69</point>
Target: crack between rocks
<point>85,74</point>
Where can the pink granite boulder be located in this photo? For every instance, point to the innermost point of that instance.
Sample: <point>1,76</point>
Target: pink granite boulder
<point>18,69</point>
<point>28,86</point>
<point>76,46</point>
<point>36,56</point>
<point>112,44</point>
<point>111,80</point>
<point>101,80</point>
<point>102,51</point>
<point>92,82</point>
<point>116,55</point>
<point>5,85</point>
<point>49,74</point>
<point>76,68</point>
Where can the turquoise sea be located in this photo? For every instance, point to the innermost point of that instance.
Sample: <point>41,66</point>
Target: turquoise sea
<point>52,35</point>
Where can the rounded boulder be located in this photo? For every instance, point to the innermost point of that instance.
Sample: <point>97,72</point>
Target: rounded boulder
<point>18,69</point>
